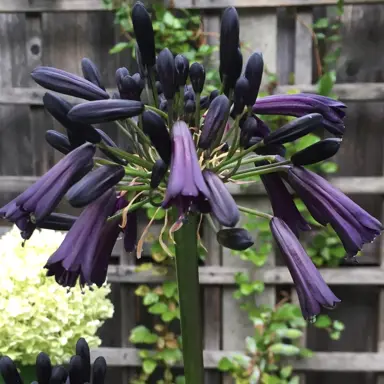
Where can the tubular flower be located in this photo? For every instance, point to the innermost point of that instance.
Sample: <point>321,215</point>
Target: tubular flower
<point>327,204</point>
<point>186,183</point>
<point>312,290</point>
<point>40,199</point>
<point>301,104</point>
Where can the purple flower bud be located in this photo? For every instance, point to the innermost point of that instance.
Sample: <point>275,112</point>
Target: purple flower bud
<point>190,106</point>
<point>130,232</point>
<point>120,74</point>
<point>223,206</point>
<point>213,95</point>
<point>235,72</point>
<point>182,70</point>
<point>59,375</point>
<point>167,73</point>
<point>229,41</point>
<point>312,290</point>
<point>91,72</point>
<point>294,129</point>
<point>43,368</point>
<point>164,105</point>
<point>197,76</point>
<point>159,87</point>
<point>214,121</point>
<point>248,129</point>
<point>102,111</point>
<point>107,140</point>
<point>320,151</point>
<point>64,82</point>
<point>158,173</point>
<point>154,127</point>
<point>99,370</point>
<point>82,350</point>
<point>145,37</point>
<point>76,370</point>
<point>129,89</point>
<point>204,102</point>
<point>238,239</point>
<point>58,141</point>
<point>58,222</point>
<point>139,80</point>
<point>254,73</point>
<point>78,133</point>
<point>9,371</point>
<point>139,61</point>
<point>272,149</point>
<point>95,184</point>
<point>189,95</point>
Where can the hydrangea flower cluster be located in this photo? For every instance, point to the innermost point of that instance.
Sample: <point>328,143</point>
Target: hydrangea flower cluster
<point>184,148</point>
<point>32,301</point>
<point>79,370</point>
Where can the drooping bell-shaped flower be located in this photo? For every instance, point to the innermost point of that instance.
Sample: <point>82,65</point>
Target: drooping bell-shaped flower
<point>354,226</point>
<point>40,199</point>
<point>64,82</point>
<point>223,206</point>
<point>301,104</point>
<point>186,183</point>
<point>311,289</point>
<point>81,255</point>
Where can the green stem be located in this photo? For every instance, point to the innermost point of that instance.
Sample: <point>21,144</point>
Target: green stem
<point>250,160</point>
<point>135,188</point>
<point>141,134</point>
<point>257,172</point>
<point>158,111</point>
<point>133,207</point>
<point>181,101</point>
<point>254,212</point>
<point>263,167</point>
<point>189,297</point>
<point>170,114</point>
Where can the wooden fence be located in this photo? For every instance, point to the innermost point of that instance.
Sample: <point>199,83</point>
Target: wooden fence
<point>61,32</point>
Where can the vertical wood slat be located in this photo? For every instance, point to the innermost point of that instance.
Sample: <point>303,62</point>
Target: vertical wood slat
<point>303,75</point>
<point>212,295</point>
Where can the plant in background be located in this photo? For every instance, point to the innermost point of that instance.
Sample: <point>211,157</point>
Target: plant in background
<point>32,301</point>
<point>179,162</point>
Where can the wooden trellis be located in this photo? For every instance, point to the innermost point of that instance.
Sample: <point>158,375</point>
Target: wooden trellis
<point>61,32</point>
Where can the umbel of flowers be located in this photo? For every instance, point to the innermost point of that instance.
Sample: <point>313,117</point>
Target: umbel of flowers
<point>184,148</point>
<point>78,371</point>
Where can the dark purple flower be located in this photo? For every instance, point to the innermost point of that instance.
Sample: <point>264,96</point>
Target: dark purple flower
<point>302,104</point>
<point>327,204</point>
<point>84,253</point>
<point>312,290</point>
<point>41,198</point>
<point>64,82</point>
<point>186,182</point>
<point>91,72</point>
<point>9,371</point>
<point>223,206</point>
<point>43,368</point>
<point>238,239</point>
<point>282,203</point>
<point>58,141</point>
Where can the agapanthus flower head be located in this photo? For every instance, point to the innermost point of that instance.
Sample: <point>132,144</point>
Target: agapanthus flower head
<point>327,204</point>
<point>64,82</point>
<point>311,289</point>
<point>186,183</point>
<point>301,104</point>
<point>41,198</point>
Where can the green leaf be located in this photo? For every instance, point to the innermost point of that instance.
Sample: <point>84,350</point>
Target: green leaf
<point>329,167</point>
<point>168,316</point>
<point>149,366</point>
<point>334,38</point>
<point>305,352</point>
<point>320,36</point>
<point>180,380</point>
<point>323,321</point>
<point>255,376</point>
<point>225,364</point>
<point>294,380</point>
<point>251,345</point>
<point>170,356</point>
<point>289,333</point>
<point>169,288</point>
<point>241,277</point>
<point>335,335</point>
<point>143,335</point>
<point>326,83</point>
<point>150,298</point>
<point>158,308</point>
<point>151,212</point>
<point>321,23</point>
<point>338,325</point>
<point>119,47</point>
<point>284,349</point>
<point>286,371</point>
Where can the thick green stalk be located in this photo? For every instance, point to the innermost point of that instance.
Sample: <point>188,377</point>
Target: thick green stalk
<point>189,296</point>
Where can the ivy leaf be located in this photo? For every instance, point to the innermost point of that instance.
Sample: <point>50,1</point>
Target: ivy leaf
<point>255,377</point>
<point>326,83</point>
<point>286,371</point>
<point>168,316</point>
<point>225,364</point>
<point>338,325</point>
<point>323,321</point>
<point>180,380</point>
<point>141,334</point>
<point>169,288</point>
<point>251,345</point>
<point>321,23</point>
<point>241,277</point>
<point>150,298</point>
<point>151,212</point>
<point>119,47</point>
<point>284,349</point>
<point>305,352</point>
<point>158,308</point>
<point>149,366</point>
<point>289,333</point>
<point>294,380</point>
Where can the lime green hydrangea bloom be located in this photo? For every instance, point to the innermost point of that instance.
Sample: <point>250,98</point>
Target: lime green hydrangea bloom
<point>37,314</point>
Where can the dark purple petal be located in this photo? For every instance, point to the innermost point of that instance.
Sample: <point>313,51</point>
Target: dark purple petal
<point>91,73</point>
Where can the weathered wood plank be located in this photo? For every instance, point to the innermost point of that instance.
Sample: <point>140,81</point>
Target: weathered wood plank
<point>321,361</point>
<point>96,5</point>
<point>224,275</point>
<point>346,92</point>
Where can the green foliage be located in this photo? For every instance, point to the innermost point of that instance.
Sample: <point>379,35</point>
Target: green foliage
<point>31,300</point>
